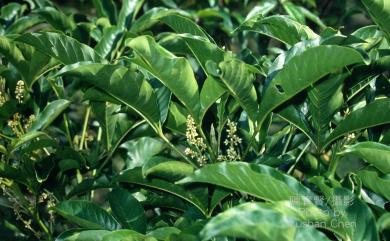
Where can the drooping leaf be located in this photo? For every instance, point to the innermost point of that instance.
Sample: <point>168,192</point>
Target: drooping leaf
<point>255,221</point>
<point>281,28</point>
<point>303,70</point>
<point>49,114</point>
<point>238,79</point>
<point>174,72</point>
<point>127,210</point>
<point>86,214</point>
<point>113,79</point>
<point>373,114</point>
<point>380,13</point>
<point>60,46</point>
<point>374,153</point>
<point>134,176</point>
<point>376,182</point>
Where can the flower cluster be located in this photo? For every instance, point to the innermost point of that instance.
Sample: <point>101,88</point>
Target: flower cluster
<point>197,145</point>
<point>19,91</point>
<point>232,142</point>
<point>16,124</point>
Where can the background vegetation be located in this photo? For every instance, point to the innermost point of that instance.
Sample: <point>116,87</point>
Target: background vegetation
<point>195,120</point>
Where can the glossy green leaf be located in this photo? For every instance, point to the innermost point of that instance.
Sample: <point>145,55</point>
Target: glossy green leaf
<point>49,114</point>
<point>238,79</point>
<point>376,182</point>
<point>82,235</point>
<point>59,46</point>
<point>166,168</point>
<point>112,79</point>
<point>325,98</point>
<point>373,114</point>
<point>303,70</point>
<point>109,41</point>
<point>281,28</point>
<point>255,221</point>
<point>174,72</point>
<point>374,153</point>
<point>86,214</point>
<point>380,13</point>
<point>57,19</point>
<point>128,11</point>
<point>127,210</point>
<point>134,176</point>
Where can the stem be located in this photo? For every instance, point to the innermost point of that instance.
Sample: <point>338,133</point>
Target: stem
<point>162,136</point>
<point>68,134</point>
<point>39,221</point>
<point>6,137</point>
<point>292,131</point>
<point>298,158</point>
<point>85,125</point>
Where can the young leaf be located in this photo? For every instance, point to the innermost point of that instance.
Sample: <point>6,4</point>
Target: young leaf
<point>49,114</point>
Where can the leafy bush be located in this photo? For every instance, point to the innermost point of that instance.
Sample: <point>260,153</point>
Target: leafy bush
<point>195,120</point>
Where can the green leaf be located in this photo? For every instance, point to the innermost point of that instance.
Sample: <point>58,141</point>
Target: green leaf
<point>60,46</point>
<point>112,79</point>
<point>127,210</point>
<point>325,98</point>
<point>374,153</point>
<point>183,24</point>
<point>373,114</point>
<point>49,114</point>
<point>134,176</point>
<point>86,214</point>
<point>109,41</point>
<point>148,19</point>
<point>257,180</point>
<point>238,79</point>
<point>29,136</point>
<point>29,62</point>
<point>380,13</point>
<point>281,28</point>
<point>174,72</point>
<point>256,221</point>
<point>140,150</point>
<point>127,13</point>
<point>298,119</point>
<point>126,235</point>
<point>23,24</point>
<point>82,235</point>
<point>212,90</point>
<point>106,8</point>
<point>376,182</point>
<point>303,70</point>
<point>57,19</point>
<point>166,168</point>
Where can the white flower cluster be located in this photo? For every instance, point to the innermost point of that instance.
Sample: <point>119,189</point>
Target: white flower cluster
<point>197,145</point>
<point>19,91</point>
<point>232,142</point>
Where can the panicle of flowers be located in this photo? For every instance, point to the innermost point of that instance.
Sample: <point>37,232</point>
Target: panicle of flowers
<point>3,94</point>
<point>232,143</point>
<point>197,144</point>
<point>16,124</point>
<point>19,91</point>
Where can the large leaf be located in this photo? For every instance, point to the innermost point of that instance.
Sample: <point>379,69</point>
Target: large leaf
<point>109,41</point>
<point>174,72</point>
<point>374,153</point>
<point>373,114</point>
<point>238,79</point>
<point>86,214</point>
<point>60,46</point>
<point>281,28</point>
<point>127,210</point>
<point>134,176</point>
<point>380,13</point>
<point>257,180</point>
<point>113,79</point>
<point>325,98</point>
<point>256,221</point>
<point>49,114</point>
<point>29,62</point>
<point>303,70</point>
<point>376,182</point>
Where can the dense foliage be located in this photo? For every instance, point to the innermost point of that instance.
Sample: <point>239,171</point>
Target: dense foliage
<point>195,120</point>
